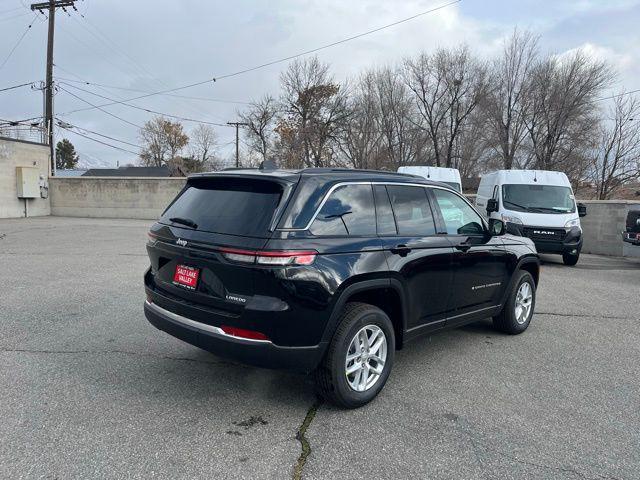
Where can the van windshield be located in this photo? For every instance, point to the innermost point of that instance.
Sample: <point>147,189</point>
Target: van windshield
<point>234,206</point>
<point>456,186</point>
<point>538,198</point>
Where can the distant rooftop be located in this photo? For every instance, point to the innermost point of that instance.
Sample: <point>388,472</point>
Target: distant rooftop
<point>162,171</point>
<point>74,172</point>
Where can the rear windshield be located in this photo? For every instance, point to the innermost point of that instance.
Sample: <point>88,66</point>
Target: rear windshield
<point>226,205</point>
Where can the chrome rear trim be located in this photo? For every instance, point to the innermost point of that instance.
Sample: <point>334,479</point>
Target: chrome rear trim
<point>198,325</point>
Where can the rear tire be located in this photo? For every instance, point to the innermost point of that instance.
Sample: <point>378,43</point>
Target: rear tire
<point>516,314</point>
<point>570,260</point>
<point>333,380</point>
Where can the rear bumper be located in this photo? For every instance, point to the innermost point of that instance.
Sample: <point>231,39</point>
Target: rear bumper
<point>260,353</point>
<point>631,237</point>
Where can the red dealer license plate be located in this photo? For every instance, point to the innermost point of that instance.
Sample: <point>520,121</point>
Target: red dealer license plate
<point>186,276</point>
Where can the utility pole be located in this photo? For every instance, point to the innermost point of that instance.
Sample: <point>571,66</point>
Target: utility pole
<point>51,7</point>
<point>237,125</point>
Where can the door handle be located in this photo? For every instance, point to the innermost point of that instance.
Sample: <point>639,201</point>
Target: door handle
<point>463,247</point>
<point>401,250</point>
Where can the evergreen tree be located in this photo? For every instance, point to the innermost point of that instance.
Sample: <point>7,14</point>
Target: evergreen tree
<point>66,156</point>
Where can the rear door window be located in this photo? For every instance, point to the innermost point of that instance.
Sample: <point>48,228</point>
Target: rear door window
<point>349,210</point>
<point>384,215</point>
<point>230,206</point>
<point>411,210</point>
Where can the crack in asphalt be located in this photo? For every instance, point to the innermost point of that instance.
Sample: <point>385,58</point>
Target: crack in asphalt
<point>304,442</point>
<point>465,427</point>
<point>121,352</point>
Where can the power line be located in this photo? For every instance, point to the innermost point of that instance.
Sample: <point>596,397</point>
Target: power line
<point>617,95</point>
<point>33,20</point>
<point>15,16</point>
<point>15,86</point>
<point>274,62</point>
<point>188,97</point>
<point>333,44</point>
<point>99,108</point>
<point>185,119</point>
<point>63,124</point>
<point>11,10</point>
<point>138,66</point>
<point>100,141</point>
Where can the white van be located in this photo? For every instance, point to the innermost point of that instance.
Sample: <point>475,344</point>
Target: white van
<point>537,204</point>
<point>449,176</point>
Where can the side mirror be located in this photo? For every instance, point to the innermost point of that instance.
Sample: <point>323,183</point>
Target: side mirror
<point>492,205</point>
<point>582,210</point>
<point>496,227</point>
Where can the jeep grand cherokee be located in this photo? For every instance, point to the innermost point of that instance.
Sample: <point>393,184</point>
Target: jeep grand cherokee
<point>330,271</point>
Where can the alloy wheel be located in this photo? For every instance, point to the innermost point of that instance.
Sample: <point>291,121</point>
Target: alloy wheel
<point>366,358</point>
<point>524,301</point>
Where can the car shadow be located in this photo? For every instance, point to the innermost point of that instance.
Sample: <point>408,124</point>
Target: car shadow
<point>192,376</point>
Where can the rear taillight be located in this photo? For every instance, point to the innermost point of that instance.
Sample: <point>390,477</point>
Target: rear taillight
<point>286,258</point>
<point>152,236</point>
<point>276,258</point>
<point>235,255</point>
<point>243,333</point>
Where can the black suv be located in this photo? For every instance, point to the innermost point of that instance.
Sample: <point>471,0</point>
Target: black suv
<point>330,271</point>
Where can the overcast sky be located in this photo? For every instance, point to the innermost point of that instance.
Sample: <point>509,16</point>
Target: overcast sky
<point>155,45</point>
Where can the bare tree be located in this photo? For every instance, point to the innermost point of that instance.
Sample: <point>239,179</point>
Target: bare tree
<point>563,114</point>
<point>471,151</point>
<point>509,97</point>
<point>448,86</point>
<point>359,137</point>
<point>202,146</point>
<point>313,106</point>
<point>616,159</point>
<point>260,118</point>
<point>396,120</point>
<point>163,140</point>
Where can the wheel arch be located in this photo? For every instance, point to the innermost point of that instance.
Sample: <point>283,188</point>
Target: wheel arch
<point>529,264</point>
<point>385,293</point>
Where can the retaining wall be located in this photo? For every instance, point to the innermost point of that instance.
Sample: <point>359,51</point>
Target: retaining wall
<point>109,197</point>
<point>602,226</point>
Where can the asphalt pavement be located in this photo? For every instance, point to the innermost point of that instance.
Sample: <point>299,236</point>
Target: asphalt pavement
<point>88,389</point>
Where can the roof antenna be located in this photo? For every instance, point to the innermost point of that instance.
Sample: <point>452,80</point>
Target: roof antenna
<point>428,172</point>
<point>535,175</point>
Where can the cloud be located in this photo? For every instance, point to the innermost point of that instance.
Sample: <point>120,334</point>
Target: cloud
<point>620,61</point>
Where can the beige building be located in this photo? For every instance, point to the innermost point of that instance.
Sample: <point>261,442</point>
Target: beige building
<point>34,157</point>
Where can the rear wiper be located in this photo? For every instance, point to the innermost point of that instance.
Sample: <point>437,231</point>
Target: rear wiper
<point>184,221</point>
<point>340,216</point>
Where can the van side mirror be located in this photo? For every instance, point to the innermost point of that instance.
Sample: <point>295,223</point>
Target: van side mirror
<point>582,210</point>
<point>492,205</point>
<point>496,227</point>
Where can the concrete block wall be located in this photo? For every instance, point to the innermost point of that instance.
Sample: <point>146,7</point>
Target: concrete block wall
<point>109,197</point>
<point>20,153</point>
<point>602,226</point>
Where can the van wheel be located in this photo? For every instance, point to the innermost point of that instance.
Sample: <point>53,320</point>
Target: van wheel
<point>359,358</point>
<point>569,259</point>
<point>518,310</point>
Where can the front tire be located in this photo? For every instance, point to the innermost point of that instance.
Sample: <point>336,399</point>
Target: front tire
<point>359,359</point>
<point>516,314</point>
<point>569,259</point>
